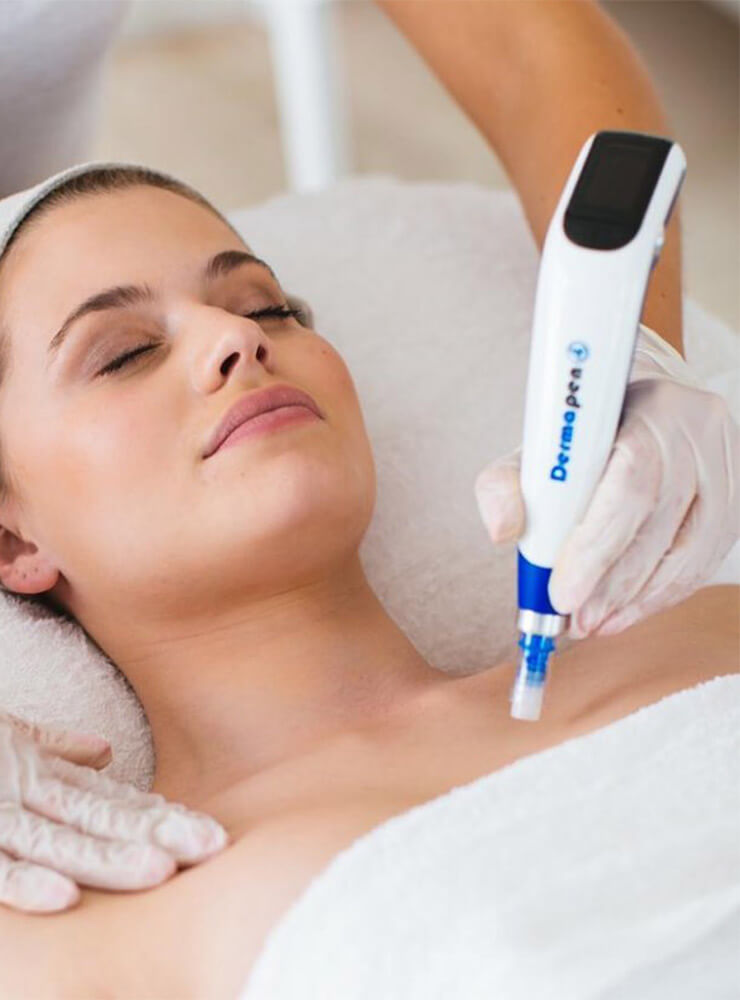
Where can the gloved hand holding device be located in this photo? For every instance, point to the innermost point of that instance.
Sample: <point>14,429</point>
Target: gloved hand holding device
<point>64,823</point>
<point>665,512</point>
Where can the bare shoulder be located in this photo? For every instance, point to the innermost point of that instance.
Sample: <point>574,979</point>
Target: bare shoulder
<point>161,941</point>
<point>64,972</point>
<point>597,680</point>
<point>195,935</point>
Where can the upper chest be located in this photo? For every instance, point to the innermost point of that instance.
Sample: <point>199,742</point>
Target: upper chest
<point>287,830</point>
<point>288,826</point>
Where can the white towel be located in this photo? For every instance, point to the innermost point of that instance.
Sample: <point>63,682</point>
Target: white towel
<point>605,868</point>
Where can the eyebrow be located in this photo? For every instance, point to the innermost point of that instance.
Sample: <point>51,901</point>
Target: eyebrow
<point>121,296</point>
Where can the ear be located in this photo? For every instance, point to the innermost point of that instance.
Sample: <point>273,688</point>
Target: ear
<point>23,568</point>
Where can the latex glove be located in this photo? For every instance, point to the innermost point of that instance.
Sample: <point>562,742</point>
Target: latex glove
<point>63,823</point>
<point>665,512</point>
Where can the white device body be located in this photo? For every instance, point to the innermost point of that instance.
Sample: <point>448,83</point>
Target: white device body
<point>590,297</point>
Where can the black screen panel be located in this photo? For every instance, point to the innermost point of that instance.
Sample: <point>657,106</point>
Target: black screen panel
<point>614,189</point>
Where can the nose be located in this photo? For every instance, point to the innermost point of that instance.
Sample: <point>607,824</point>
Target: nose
<point>229,344</point>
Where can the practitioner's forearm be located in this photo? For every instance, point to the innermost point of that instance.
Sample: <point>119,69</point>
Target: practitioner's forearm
<point>537,77</point>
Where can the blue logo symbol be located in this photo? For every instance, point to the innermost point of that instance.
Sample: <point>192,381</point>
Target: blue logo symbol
<point>578,350</point>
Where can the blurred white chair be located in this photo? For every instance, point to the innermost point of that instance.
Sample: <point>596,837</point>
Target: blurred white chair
<point>309,89</point>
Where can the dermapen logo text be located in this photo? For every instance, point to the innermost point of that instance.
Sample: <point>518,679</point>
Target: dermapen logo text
<point>578,351</point>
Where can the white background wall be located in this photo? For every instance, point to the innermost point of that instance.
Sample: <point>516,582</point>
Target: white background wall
<point>191,90</point>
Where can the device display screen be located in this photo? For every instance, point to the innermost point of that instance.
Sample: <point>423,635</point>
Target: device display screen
<point>618,181</point>
<point>615,185</point>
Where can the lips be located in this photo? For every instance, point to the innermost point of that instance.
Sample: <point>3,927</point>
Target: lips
<point>259,401</point>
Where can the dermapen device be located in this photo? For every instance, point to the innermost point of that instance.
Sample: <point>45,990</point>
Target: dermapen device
<point>602,242</point>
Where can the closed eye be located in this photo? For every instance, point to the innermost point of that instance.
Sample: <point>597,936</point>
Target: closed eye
<point>274,311</point>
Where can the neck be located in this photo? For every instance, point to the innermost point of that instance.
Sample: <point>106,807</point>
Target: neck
<point>227,699</point>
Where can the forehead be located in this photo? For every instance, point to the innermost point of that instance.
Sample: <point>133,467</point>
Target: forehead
<point>137,234</point>
<point>108,236</point>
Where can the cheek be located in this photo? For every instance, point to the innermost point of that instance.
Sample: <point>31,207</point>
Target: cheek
<point>322,370</point>
<point>105,487</point>
<point>350,416</point>
<point>95,454</point>
<point>332,373</point>
<point>112,443</point>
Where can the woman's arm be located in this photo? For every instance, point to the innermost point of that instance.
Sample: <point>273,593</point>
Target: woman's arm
<point>537,78</point>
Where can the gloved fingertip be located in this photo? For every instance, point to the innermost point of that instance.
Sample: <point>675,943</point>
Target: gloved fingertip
<point>148,862</point>
<point>576,630</point>
<point>502,512</point>
<point>45,891</point>
<point>609,627</point>
<point>562,594</point>
<point>190,837</point>
<point>213,836</point>
<point>104,757</point>
<point>572,579</point>
<point>618,621</point>
<point>87,749</point>
<point>501,475</point>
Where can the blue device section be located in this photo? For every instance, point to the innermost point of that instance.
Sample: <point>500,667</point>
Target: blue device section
<point>537,649</point>
<point>532,586</point>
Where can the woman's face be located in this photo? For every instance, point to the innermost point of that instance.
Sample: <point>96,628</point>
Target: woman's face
<point>118,508</point>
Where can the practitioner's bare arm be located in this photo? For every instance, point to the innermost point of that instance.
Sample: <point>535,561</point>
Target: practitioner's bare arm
<point>537,77</point>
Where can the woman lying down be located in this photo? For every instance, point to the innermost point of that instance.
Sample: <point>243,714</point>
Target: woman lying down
<point>221,574</point>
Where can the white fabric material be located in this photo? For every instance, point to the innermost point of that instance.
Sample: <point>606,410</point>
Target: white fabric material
<point>427,290</point>
<point>52,56</point>
<point>605,868</point>
<point>15,207</point>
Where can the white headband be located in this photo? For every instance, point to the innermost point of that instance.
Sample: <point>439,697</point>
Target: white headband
<point>16,207</point>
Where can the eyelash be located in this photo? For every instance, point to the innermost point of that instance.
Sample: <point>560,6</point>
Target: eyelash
<point>281,312</point>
